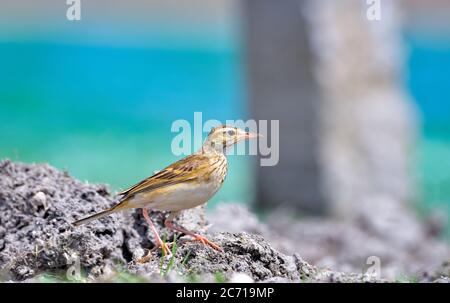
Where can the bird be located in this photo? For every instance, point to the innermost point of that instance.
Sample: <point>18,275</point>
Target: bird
<point>186,183</point>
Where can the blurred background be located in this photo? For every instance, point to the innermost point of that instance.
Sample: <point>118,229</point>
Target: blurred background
<point>98,96</point>
<point>364,106</point>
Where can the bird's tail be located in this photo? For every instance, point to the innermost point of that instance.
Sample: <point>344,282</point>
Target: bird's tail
<point>97,216</point>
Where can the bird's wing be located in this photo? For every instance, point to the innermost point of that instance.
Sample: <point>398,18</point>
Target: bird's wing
<point>187,169</point>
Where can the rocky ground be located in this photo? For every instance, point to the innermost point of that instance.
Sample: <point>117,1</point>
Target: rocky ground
<point>401,245</point>
<point>38,202</point>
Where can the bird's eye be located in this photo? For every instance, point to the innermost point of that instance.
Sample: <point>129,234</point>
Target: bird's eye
<point>231,133</point>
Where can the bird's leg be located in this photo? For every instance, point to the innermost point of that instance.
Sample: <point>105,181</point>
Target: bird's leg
<point>169,224</point>
<point>158,242</point>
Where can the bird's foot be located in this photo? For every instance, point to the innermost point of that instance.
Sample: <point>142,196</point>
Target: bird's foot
<point>205,241</point>
<point>145,258</point>
<point>165,249</point>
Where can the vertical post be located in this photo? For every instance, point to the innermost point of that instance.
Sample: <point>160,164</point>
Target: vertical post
<point>282,86</point>
<point>332,75</point>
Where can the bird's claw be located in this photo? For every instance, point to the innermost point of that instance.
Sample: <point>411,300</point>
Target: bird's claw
<point>145,258</point>
<point>165,249</point>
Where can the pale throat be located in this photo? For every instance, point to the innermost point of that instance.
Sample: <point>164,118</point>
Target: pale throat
<point>212,147</point>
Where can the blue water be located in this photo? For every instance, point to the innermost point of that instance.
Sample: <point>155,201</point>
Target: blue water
<point>104,113</point>
<point>429,84</point>
<point>120,83</point>
<point>429,81</point>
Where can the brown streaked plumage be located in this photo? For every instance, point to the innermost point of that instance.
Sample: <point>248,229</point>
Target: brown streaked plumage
<point>185,184</point>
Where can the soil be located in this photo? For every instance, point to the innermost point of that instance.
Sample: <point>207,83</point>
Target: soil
<point>38,202</point>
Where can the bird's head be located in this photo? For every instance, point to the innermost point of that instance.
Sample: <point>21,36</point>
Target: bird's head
<point>222,137</point>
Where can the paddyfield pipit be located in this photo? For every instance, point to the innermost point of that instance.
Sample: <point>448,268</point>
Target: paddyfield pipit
<point>185,184</point>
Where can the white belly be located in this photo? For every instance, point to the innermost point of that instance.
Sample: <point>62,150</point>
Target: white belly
<point>177,197</point>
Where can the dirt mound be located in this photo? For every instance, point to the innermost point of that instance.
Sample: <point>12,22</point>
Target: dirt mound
<point>394,236</point>
<point>37,204</point>
<point>246,258</point>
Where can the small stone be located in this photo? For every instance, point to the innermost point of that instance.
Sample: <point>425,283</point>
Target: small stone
<point>39,199</point>
<point>138,253</point>
<point>240,277</point>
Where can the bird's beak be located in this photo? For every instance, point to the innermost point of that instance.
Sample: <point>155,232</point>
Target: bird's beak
<point>249,135</point>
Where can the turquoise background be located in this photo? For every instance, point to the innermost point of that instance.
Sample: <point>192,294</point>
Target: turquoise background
<point>428,81</point>
<point>104,112</point>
